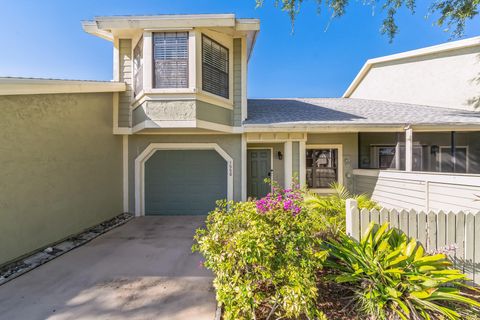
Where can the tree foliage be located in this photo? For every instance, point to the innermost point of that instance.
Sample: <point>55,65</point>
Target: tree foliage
<point>451,14</point>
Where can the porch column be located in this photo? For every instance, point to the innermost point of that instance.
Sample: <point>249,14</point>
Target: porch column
<point>288,163</point>
<point>409,149</point>
<point>302,174</point>
<point>453,151</point>
<point>398,157</point>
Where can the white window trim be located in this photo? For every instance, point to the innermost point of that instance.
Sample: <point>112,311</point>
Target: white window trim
<point>340,164</point>
<point>227,42</point>
<point>148,72</point>
<point>150,151</point>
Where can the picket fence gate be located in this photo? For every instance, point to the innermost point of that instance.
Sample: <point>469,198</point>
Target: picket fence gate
<point>458,233</point>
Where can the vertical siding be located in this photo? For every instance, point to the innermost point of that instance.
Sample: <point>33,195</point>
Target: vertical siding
<point>237,82</point>
<point>126,75</point>
<point>435,230</point>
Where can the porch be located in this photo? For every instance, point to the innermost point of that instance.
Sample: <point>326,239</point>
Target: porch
<point>420,170</point>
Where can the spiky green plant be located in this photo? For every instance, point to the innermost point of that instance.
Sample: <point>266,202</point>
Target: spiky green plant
<point>392,277</point>
<point>331,208</point>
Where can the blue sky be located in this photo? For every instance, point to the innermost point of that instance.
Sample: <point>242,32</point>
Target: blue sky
<point>45,39</point>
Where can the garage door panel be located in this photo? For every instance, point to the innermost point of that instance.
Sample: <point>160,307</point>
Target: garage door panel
<point>184,182</point>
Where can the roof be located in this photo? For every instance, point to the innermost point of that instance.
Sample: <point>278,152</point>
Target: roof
<point>18,86</point>
<point>296,112</point>
<point>107,26</point>
<point>454,45</point>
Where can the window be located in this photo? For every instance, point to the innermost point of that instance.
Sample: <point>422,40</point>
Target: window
<point>170,58</point>
<point>138,67</point>
<point>322,167</point>
<point>215,64</point>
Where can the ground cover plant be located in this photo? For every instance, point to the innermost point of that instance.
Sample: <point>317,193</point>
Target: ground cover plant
<point>392,277</point>
<point>286,256</point>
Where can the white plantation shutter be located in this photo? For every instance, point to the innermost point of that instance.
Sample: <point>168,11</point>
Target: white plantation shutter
<point>215,62</point>
<point>170,57</point>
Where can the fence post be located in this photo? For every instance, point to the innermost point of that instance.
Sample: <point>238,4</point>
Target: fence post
<point>351,208</point>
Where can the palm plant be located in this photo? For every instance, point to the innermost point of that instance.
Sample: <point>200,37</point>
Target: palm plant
<point>393,278</point>
<point>331,209</point>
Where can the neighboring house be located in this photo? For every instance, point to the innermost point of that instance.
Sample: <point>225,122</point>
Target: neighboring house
<point>174,131</point>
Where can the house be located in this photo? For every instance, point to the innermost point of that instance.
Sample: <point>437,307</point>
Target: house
<point>174,131</point>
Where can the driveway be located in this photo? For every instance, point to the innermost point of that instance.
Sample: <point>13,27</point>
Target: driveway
<point>141,270</point>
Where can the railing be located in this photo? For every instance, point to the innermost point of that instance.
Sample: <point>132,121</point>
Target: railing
<point>456,233</point>
<point>420,190</point>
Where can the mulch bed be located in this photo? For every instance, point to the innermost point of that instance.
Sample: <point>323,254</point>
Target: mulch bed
<point>335,300</point>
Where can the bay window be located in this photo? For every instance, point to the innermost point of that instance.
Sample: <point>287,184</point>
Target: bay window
<point>215,65</point>
<point>170,59</point>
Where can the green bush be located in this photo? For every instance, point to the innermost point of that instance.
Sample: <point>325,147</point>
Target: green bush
<point>265,256</point>
<point>331,208</point>
<point>392,277</point>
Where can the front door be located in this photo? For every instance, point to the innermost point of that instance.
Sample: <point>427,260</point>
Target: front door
<point>258,168</point>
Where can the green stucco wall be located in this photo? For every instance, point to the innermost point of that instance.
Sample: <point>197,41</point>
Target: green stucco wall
<point>61,168</point>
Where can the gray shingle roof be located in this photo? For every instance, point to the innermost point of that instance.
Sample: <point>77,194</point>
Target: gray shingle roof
<point>348,111</point>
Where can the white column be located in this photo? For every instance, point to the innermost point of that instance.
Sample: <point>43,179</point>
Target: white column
<point>409,149</point>
<point>244,167</point>
<point>288,163</point>
<point>397,153</point>
<point>116,60</point>
<point>302,173</point>
<point>125,174</point>
<point>147,60</point>
<point>192,65</point>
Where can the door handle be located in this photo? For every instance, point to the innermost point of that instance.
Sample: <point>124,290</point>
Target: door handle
<point>270,173</point>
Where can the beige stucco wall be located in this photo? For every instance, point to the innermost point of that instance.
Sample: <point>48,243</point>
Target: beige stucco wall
<point>61,168</point>
<point>447,79</point>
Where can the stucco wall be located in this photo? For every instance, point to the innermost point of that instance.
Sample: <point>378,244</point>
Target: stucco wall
<point>448,79</point>
<point>61,168</point>
<point>231,144</point>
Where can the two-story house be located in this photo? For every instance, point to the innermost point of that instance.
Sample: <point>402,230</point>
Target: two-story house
<point>175,131</point>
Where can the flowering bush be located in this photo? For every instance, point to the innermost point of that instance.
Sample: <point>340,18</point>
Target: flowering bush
<point>265,255</point>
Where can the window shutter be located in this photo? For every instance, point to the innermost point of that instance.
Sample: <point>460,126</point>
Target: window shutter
<point>170,56</point>
<point>215,64</point>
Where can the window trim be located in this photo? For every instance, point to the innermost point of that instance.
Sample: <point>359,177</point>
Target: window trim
<point>229,73</point>
<point>340,179</point>
<point>152,69</point>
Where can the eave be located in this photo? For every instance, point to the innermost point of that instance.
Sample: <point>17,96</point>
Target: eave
<point>24,86</point>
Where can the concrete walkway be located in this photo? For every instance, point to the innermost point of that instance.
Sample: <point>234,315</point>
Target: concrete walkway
<point>141,270</point>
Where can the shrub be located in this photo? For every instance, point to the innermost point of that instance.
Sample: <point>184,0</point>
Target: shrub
<point>392,277</point>
<point>264,255</point>
<point>331,208</point>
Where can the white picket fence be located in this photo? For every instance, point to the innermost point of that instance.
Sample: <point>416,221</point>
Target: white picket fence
<point>459,231</point>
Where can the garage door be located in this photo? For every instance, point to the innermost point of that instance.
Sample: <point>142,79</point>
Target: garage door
<point>184,182</point>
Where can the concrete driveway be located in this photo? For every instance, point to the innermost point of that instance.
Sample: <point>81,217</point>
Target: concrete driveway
<point>141,270</point>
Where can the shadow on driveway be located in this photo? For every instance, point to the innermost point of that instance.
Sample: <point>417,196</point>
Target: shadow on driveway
<point>141,270</point>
